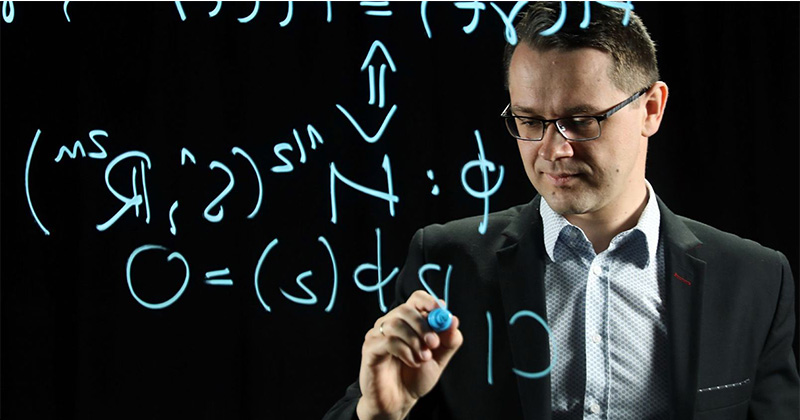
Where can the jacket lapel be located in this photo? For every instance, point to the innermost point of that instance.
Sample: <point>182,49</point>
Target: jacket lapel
<point>684,274</point>
<point>521,278</point>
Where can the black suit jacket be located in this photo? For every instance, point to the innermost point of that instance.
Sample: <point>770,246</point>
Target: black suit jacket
<point>730,320</point>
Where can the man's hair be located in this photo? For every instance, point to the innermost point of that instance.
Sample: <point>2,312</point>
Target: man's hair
<point>632,51</point>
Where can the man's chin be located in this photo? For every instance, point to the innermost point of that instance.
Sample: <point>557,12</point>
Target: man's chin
<point>564,204</point>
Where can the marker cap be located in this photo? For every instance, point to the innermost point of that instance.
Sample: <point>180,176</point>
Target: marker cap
<point>440,319</point>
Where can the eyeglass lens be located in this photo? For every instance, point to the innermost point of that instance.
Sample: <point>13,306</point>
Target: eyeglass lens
<point>573,128</point>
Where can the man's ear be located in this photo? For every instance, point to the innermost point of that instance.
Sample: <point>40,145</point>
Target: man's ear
<point>655,101</point>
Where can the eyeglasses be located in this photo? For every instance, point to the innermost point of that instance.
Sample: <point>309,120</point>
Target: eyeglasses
<point>575,128</point>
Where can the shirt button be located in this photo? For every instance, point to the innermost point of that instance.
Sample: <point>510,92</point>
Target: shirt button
<point>597,270</point>
<point>594,408</point>
<point>596,338</point>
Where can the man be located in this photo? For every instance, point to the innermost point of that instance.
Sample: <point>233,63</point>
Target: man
<point>593,300</point>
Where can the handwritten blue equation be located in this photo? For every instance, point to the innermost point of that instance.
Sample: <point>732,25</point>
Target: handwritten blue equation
<point>134,201</point>
<point>381,9</point>
<point>130,180</point>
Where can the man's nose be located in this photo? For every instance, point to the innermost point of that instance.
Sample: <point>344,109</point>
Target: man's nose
<point>554,146</point>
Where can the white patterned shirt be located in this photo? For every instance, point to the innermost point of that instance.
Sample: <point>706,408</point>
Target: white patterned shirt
<point>607,316</point>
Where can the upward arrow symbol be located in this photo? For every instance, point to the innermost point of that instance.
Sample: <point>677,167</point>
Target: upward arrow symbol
<point>381,83</point>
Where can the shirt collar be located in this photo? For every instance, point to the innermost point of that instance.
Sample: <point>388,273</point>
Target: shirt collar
<point>648,224</point>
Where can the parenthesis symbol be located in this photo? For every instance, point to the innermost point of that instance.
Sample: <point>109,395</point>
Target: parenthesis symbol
<point>237,150</point>
<point>335,273</point>
<point>258,270</point>
<point>27,179</point>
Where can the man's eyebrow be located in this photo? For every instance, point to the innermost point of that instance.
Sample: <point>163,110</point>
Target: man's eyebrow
<point>582,109</point>
<point>525,111</point>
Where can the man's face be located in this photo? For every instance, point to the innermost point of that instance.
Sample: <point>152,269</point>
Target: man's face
<point>604,176</point>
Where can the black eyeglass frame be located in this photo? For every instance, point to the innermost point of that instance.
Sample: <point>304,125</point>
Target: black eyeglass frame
<point>507,116</point>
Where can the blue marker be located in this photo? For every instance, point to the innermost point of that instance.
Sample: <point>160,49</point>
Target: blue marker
<point>440,319</point>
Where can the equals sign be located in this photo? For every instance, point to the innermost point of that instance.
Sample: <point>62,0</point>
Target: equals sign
<point>376,4</point>
<point>210,278</point>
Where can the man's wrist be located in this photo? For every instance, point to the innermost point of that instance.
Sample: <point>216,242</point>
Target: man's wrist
<point>366,411</point>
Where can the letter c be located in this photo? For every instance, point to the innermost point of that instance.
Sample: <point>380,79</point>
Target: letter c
<point>546,371</point>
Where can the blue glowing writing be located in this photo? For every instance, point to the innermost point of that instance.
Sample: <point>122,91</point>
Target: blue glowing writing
<point>287,166</point>
<point>511,33</point>
<point>8,11</point>
<point>72,154</point>
<point>314,136</point>
<point>213,281</point>
<point>185,153</point>
<point>534,315</point>
<point>375,45</point>
<point>477,7</point>
<point>171,257</point>
<point>128,202</point>
<point>562,17</point>
<point>252,14</point>
<point>489,377</point>
<point>388,196</point>
<point>381,282</point>
<point>436,267</point>
<point>289,13</point>
<point>559,23</point>
<point>381,81</point>
<point>587,14</point>
<point>102,152</point>
<point>435,189</point>
<point>423,12</point>
<point>180,10</point>
<point>312,299</point>
<point>28,171</point>
<point>383,13</point>
<point>239,151</point>
<point>299,146</point>
<point>216,10</point>
<point>172,229</point>
<point>216,218</point>
<point>365,136</point>
<point>258,270</point>
<point>625,5</point>
<point>78,147</point>
<point>372,85</point>
<point>285,22</point>
<point>382,95</point>
<point>325,243</point>
<point>485,167</point>
<point>133,184</point>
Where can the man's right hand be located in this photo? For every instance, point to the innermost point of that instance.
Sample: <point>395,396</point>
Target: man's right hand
<point>402,359</point>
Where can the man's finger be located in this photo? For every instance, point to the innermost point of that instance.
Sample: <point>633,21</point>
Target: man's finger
<point>450,341</point>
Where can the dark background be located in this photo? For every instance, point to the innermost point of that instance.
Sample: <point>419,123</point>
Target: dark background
<point>76,344</point>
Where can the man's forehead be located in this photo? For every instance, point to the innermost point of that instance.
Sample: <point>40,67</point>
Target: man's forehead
<point>559,82</point>
<point>557,61</point>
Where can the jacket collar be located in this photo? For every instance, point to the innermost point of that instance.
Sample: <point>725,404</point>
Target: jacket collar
<point>521,279</point>
<point>685,274</point>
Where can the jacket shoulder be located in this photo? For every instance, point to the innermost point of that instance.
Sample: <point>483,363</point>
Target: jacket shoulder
<point>717,243</point>
<point>470,233</point>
